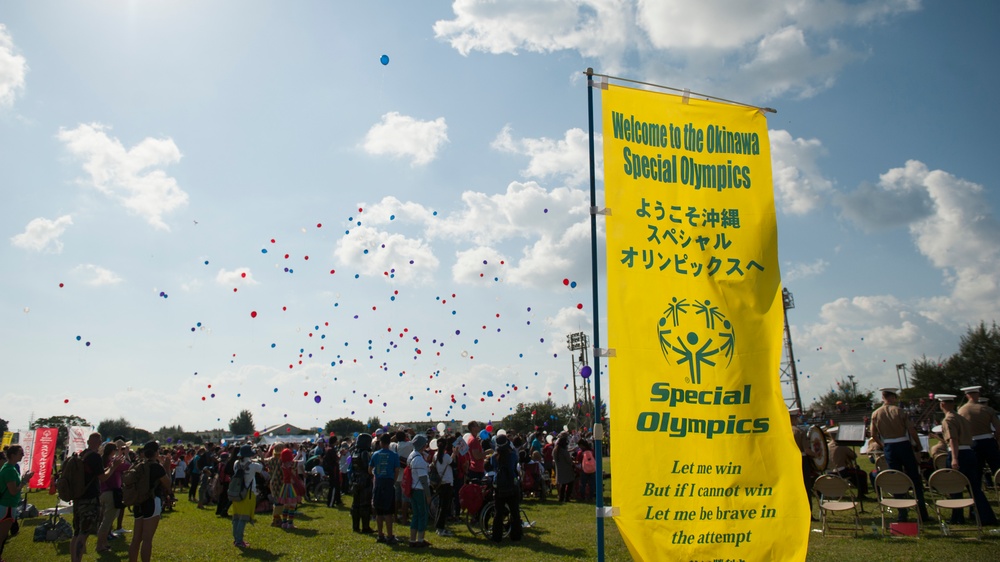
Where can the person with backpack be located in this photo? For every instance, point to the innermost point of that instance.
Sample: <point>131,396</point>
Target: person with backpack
<point>242,492</point>
<point>588,470</point>
<point>86,503</point>
<point>507,490</point>
<point>383,467</point>
<point>361,485</point>
<point>154,484</point>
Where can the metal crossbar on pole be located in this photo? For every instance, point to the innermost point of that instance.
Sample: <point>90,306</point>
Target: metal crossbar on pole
<point>590,74</point>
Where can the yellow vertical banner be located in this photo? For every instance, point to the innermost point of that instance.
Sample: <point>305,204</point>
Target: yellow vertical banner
<point>695,319</point>
<point>7,438</point>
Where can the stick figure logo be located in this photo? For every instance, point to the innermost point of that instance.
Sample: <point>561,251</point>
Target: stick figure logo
<point>695,334</point>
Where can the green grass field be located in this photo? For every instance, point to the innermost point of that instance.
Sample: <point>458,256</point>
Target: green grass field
<point>561,532</point>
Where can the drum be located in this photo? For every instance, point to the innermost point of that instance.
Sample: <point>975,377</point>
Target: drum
<point>817,442</point>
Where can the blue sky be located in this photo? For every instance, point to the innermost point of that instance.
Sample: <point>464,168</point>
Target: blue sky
<point>153,148</point>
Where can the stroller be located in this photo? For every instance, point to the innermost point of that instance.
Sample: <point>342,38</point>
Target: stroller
<point>533,483</point>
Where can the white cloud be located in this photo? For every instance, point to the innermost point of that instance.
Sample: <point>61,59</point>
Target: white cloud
<point>551,227</point>
<point>803,270</point>
<point>525,210</point>
<point>951,223</point>
<point>238,276</point>
<point>42,234</point>
<point>960,238</point>
<point>97,276</point>
<point>875,207</point>
<point>401,136</point>
<point>711,25</point>
<point>478,265</point>
<point>758,49</point>
<point>596,28</point>
<point>799,186</point>
<point>132,177</point>
<point>784,62</point>
<point>567,158</point>
<point>13,68</point>
<point>387,255</point>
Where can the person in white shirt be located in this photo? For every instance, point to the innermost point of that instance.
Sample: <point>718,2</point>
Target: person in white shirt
<point>420,499</point>
<point>180,472</point>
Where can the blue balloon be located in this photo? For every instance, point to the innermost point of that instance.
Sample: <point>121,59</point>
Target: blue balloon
<point>384,59</point>
<point>484,434</point>
<point>586,371</point>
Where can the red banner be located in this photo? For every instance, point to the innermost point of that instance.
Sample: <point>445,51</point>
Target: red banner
<point>43,453</point>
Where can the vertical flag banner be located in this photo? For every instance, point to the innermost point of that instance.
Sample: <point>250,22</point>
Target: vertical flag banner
<point>8,437</point>
<point>76,439</point>
<point>27,443</point>
<point>695,318</point>
<point>43,453</point>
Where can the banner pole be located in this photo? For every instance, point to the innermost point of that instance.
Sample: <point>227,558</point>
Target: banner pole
<point>598,425</point>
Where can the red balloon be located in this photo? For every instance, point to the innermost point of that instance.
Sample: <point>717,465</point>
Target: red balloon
<point>253,314</point>
<point>256,434</point>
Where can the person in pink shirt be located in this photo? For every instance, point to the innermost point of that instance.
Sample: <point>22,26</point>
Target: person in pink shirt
<point>115,462</point>
<point>476,468</point>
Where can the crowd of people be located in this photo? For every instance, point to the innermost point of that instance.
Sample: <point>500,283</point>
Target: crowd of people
<point>394,477</point>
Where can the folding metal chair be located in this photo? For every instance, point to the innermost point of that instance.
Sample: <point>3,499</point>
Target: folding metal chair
<point>904,495</point>
<point>940,461</point>
<point>946,483</point>
<point>996,484</point>
<point>835,495</point>
<point>881,464</point>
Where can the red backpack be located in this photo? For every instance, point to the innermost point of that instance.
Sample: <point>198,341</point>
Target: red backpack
<point>407,484</point>
<point>589,462</point>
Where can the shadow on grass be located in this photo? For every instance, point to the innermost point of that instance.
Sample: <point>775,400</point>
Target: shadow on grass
<point>532,540</point>
<point>257,554</point>
<point>299,531</point>
<point>451,552</point>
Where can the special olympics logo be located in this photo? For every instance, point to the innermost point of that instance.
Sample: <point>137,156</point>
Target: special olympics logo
<point>696,334</point>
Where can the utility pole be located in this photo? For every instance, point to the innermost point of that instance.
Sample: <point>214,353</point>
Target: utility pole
<point>789,375</point>
<point>578,342</point>
<point>903,382</point>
